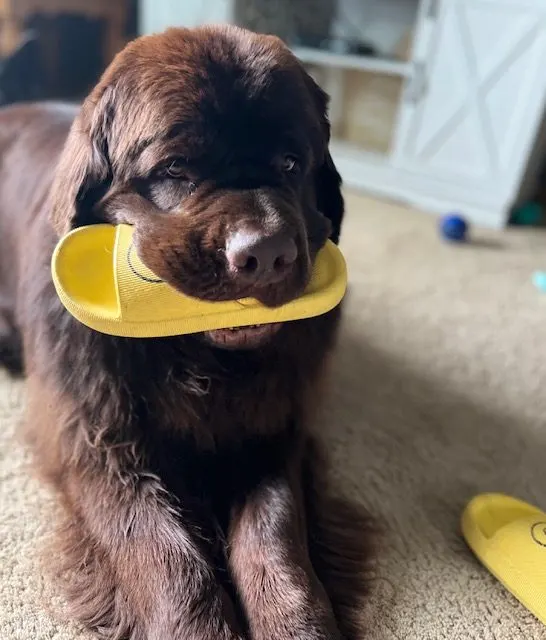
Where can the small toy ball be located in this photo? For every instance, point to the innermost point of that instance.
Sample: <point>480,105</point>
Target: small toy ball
<point>454,227</point>
<point>539,280</point>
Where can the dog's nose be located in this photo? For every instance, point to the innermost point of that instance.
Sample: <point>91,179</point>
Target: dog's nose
<point>264,259</point>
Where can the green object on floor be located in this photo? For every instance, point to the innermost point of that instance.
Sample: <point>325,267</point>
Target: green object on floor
<point>527,214</point>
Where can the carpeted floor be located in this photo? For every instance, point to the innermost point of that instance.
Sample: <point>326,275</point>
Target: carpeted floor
<point>439,392</point>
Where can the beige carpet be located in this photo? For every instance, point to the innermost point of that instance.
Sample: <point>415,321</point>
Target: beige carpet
<point>439,392</point>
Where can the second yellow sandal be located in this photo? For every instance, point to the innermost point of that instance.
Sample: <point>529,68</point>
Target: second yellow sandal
<point>508,536</point>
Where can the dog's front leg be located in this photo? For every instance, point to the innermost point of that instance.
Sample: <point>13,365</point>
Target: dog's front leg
<point>280,592</point>
<point>162,579</point>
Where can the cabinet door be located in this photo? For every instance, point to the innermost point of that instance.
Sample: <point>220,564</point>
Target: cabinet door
<point>471,111</point>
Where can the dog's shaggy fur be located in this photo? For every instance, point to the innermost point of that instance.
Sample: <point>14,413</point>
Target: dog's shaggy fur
<point>194,497</point>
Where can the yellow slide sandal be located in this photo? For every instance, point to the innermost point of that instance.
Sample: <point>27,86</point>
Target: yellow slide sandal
<point>101,281</point>
<point>509,537</point>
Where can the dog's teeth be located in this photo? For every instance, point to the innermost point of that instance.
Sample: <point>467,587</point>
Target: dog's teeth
<point>250,326</point>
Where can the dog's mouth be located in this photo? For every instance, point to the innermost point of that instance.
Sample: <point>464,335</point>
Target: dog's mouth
<point>243,337</point>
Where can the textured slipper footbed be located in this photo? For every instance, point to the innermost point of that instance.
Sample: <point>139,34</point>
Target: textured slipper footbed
<point>508,537</point>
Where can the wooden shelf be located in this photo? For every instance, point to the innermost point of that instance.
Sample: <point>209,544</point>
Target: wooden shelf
<point>346,61</point>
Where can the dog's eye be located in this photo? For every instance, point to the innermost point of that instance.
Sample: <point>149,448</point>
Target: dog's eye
<point>289,163</point>
<point>176,169</point>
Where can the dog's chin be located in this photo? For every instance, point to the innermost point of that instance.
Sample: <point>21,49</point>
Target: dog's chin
<point>254,336</point>
<point>251,337</point>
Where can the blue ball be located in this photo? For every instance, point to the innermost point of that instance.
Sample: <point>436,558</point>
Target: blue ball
<point>454,227</point>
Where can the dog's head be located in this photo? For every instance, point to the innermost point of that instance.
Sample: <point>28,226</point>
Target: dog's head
<point>213,143</point>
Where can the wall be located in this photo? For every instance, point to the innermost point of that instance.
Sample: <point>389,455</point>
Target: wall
<point>157,15</point>
<point>382,22</point>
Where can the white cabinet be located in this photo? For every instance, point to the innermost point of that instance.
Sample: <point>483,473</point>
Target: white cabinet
<point>443,115</point>
<point>472,109</point>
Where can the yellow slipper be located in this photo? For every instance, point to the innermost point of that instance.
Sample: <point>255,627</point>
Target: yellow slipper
<point>509,537</point>
<point>102,282</point>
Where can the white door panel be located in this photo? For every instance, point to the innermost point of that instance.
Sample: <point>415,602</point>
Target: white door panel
<point>483,96</point>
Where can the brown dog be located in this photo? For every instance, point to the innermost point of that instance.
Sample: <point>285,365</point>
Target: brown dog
<point>194,510</point>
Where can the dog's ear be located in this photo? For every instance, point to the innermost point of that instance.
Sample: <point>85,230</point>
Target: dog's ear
<point>83,174</point>
<point>327,179</point>
<point>328,194</point>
